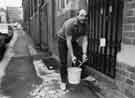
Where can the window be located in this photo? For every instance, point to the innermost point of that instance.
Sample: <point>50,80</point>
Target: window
<point>66,2</point>
<point>35,5</point>
<point>0,19</point>
<point>57,2</point>
<point>31,7</point>
<point>41,2</point>
<point>61,3</point>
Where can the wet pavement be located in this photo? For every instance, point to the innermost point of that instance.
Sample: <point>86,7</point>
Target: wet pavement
<point>85,89</point>
<point>20,75</point>
<point>19,71</point>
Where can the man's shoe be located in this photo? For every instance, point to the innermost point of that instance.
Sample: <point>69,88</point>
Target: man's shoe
<point>63,86</point>
<point>90,78</point>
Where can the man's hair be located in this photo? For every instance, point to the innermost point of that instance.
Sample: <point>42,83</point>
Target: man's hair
<point>82,12</point>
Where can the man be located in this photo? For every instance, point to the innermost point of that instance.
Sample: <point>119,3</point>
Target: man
<point>71,31</point>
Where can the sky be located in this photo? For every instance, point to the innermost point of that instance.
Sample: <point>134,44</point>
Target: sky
<point>16,3</point>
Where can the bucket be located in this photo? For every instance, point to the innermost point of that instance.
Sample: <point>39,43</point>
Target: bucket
<point>74,75</point>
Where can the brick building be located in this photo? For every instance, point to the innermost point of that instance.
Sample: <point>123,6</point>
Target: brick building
<point>125,75</point>
<point>43,18</point>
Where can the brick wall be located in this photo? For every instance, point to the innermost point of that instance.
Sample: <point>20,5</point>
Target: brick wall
<point>125,70</point>
<point>129,22</point>
<point>125,79</point>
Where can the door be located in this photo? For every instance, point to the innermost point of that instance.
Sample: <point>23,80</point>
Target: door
<point>105,23</point>
<point>44,26</point>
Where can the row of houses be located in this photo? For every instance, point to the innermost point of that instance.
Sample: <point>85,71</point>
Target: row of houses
<point>111,36</point>
<point>11,15</point>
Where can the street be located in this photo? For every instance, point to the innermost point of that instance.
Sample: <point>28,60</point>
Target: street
<point>40,40</point>
<point>21,78</point>
<point>20,74</point>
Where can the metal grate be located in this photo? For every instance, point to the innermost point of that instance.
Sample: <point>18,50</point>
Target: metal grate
<point>105,22</point>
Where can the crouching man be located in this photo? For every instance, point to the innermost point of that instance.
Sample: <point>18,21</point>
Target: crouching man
<point>72,30</point>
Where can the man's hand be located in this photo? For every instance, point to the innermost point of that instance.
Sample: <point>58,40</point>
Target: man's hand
<point>74,59</point>
<point>84,58</point>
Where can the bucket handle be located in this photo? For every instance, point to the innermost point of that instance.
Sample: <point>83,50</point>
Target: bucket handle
<point>81,63</point>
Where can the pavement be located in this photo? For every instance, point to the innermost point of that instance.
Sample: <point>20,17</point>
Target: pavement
<point>18,72</point>
<point>20,79</point>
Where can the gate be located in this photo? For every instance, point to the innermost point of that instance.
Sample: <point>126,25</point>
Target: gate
<point>105,23</point>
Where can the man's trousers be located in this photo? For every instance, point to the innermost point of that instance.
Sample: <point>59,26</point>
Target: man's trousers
<point>63,53</point>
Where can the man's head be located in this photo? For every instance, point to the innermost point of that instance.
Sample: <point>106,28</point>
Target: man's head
<point>82,15</point>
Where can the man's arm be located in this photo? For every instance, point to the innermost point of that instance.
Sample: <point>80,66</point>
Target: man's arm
<point>85,45</point>
<point>69,45</point>
<point>68,28</point>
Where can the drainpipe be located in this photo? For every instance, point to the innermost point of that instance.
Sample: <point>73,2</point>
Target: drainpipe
<point>53,18</point>
<point>39,13</point>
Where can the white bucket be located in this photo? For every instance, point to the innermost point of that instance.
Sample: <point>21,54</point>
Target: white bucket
<point>74,75</point>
